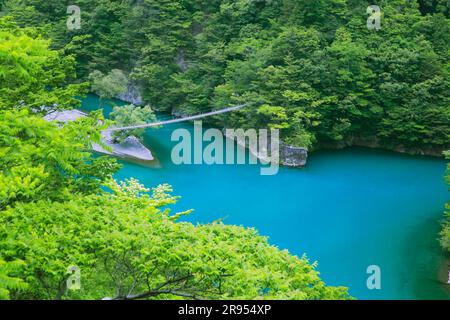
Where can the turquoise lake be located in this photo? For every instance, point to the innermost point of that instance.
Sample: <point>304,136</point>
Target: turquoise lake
<point>347,210</point>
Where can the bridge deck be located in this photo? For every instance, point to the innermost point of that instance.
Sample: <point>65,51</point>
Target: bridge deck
<point>189,118</point>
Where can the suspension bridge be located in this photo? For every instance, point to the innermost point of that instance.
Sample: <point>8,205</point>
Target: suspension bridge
<point>184,119</point>
<point>131,147</point>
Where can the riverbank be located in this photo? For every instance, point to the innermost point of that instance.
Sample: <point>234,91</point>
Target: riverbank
<point>374,143</point>
<point>374,208</point>
<point>289,156</point>
<point>444,272</point>
<point>370,203</point>
<point>297,157</point>
<point>130,148</point>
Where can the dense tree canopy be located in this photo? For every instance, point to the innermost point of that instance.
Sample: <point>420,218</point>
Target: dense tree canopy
<point>126,247</point>
<point>314,70</point>
<point>40,161</point>
<point>110,85</point>
<point>131,115</point>
<point>31,74</point>
<point>61,209</point>
<point>322,77</point>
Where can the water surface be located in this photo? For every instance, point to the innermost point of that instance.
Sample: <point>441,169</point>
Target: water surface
<point>347,210</point>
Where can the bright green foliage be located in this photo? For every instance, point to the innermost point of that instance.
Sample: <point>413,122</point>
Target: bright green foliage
<point>38,160</point>
<point>108,86</point>
<point>128,247</point>
<point>55,216</point>
<point>131,115</point>
<point>60,208</point>
<point>7,282</point>
<point>445,233</point>
<point>31,74</point>
<point>335,80</point>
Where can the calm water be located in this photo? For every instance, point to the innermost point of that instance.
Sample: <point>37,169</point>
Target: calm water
<point>347,210</point>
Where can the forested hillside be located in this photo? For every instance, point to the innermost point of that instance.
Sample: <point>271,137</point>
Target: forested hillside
<point>62,211</point>
<point>313,67</point>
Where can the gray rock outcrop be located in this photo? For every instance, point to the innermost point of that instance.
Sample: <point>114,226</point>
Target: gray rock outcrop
<point>130,148</point>
<point>133,95</point>
<point>293,156</point>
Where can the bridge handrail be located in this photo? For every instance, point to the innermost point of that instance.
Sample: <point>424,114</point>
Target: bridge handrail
<point>189,118</point>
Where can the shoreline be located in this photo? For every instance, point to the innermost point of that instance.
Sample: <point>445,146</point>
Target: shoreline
<point>443,275</point>
<point>131,148</point>
<point>374,143</point>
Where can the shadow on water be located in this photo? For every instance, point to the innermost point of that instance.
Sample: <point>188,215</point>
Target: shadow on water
<point>424,262</point>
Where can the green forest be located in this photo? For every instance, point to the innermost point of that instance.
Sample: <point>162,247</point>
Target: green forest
<point>312,69</point>
<point>59,206</point>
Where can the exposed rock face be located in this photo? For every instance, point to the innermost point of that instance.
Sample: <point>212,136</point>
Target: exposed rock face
<point>293,156</point>
<point>290,156</point>
<point>181,61</point>
<point>374,143</point>
<point>130,148</point>
<point>64,116</point>
<point>133,95</point>
<point>179,114</point>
